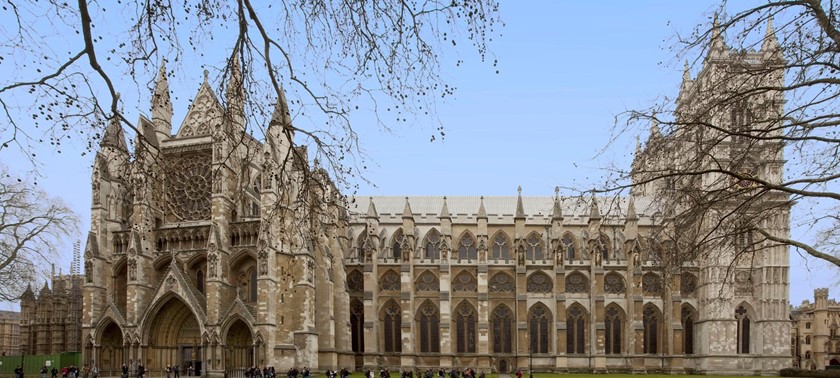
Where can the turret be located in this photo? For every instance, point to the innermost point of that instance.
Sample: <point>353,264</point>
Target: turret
<point>162,106</point>
<point>770,44</point>
<point>235,95</point>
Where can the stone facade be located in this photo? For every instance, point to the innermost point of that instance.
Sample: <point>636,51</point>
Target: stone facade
<point>51,323</point>
<point>577,284</point>
<point>815,342</point>
<point>212,250</point>
<point>9,333</point>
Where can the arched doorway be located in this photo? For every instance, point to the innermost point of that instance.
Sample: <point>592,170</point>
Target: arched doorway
<point>502,365</point>
<point>239,346</point>
<point>834,362</point>
<point>174,337</point>
<point>111,352</point>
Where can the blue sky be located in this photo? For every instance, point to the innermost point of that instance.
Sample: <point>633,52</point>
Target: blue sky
<point>566,69</point>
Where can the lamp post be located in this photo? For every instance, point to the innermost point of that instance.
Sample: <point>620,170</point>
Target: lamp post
<point>531,362</point>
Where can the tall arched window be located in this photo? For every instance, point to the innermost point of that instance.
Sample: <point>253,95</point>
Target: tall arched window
<point>396,245</point>
<point>392,327</point>
<point>429,328</point>
<point>502,330</point>
<point>612,330</point>
<point>569,246</point>
<point>688,330</point>
<point>432,247</point>
<point>575,330</point>
<point>467,249</point>
<point>253,285</point>
<point>501,247</point>
<point>650,321</point>
<point>199,280</point>
<point>743,319</point>
<point>534,247</point>
<point>538,329</point>
<point>465,328</point>
<point>357,321</point>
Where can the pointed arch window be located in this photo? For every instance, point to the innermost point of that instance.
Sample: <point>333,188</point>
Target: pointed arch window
<point>429,326</point>
<point>427,282</point>
<point>501,247</point>
<point>688,330</point>
<point>467,248</point>
<point>465,322</point>
<point>390,281</point>
<point>614,284</point>
<point>613,322</point>
<point>252,292</point>
<point>355,282</point>
<point>501,283</point>
<point>502,330</point>
<point>577,283</point>
<point>357,321</point>
<point>538,329</point>
<point>575,331</point>
<point>651,285</point>
<point>199,281</point>
<point>539,282</point>
<point>569,246</point>
<point>650,321</point>
<point>392,327</point>
<point>464,282</point>
<point>534,247</point>
<point>396,245</point>
<point>743,318</point>
<point>432,247</point>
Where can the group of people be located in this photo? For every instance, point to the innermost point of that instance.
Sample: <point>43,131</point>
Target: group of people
<point>429,373</point>
<point>140,369</point>
<point>255,372</point>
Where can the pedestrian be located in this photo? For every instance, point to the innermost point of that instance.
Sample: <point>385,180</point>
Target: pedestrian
<point>54,372</point>
<point>44,371</point>
<point>168,372</point>
<point>141,370</point>
<point>19,372</point>
<point>176,370</point>
<point>124,371</point>
<point>95,371</point>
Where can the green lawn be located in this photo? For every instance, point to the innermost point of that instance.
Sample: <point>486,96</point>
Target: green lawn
<point>395,374</point>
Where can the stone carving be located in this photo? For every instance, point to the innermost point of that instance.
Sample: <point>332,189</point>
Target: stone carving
<point>613,284</point>
<point>96,191</point>
<point>310,272</point>
<point>521,255</point>
<point>132,252</point>
<point>501,283</point>
<point>203,116</point>
<point>539,282</point>
<point>212,261</point>
<point>576,283</point>
<point>132,270</point>
<point>637,260</point>
<point>390,281</point>
<point>263,262</point>
<point>171,283</point>
<point>743,283</point>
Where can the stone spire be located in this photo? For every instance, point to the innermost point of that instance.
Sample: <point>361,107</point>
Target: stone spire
<point>235,93</point>
<point>520,209</point>
<point>114,136</point>
<point>371,213</point>
<point>407,213</point>
<point>444,211</point>
<point>482,213</point>
<point>717,46</point>
<point>557,211</point>
<point>654,128</point>
<point>631,209</point>
<point>161,105</point>
<point>770,45</point>
<point>594,212</point>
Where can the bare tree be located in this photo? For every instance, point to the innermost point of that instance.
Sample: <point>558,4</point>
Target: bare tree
<point>32,228</point>
<point>69,61</point>
<point>752,132</point>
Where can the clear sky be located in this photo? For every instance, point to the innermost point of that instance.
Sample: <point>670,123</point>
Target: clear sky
<point>566,69</point>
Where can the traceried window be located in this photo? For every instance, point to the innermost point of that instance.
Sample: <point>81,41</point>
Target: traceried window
<point>199,280</point>
<point>612,330</point>
<point>569,246</point>
<point>651,284</point>
<point>539,282</point>
<point>538,329</point>
<point>427,282</point>
<point>252,286</point>
<point>501,283</point>
<point>502,330</point>
<point>432,247</point>
<point>575,330</point>
<point>464,281</point>
<point>465,321</point>
<point>534,247</point>
<point>576,283</point>
<point>355,282</point>
<point>501,247</point>
<point>807,340</point>
<point>357,321</point>
<point>396,245</point>
<point>688,330</point>
<point>429,328</point>
<point>392,327</point>
<point>390,281</point>
<point>688,284</point>
<point>650,322</point>
<point>614,284</point>
<point>743,318</point>
<point>467,248</point>
<point>741,121</point>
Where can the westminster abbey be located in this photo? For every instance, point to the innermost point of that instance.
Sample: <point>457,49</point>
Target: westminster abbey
<point>213,251</point>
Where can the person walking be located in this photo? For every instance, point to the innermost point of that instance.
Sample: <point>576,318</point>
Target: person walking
<point>44,371</point>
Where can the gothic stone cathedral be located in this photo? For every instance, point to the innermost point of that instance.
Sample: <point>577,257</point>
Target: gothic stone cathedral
<point>204,253</point>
